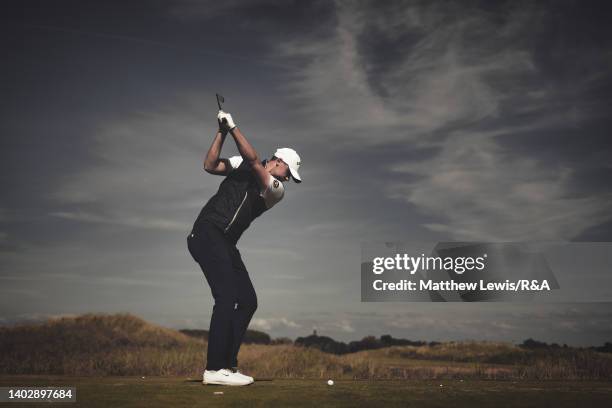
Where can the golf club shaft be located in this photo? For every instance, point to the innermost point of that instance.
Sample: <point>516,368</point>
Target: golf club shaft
<point>221,99</point>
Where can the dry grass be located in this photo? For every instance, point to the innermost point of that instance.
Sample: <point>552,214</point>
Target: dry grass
<point>465,351</point>
<point>123,344</point>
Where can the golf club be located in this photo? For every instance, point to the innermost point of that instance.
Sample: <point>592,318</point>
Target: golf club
<point>220,100</point>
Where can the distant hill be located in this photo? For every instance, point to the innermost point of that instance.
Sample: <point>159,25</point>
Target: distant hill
<point>87,344</point>
<point>87,333</point>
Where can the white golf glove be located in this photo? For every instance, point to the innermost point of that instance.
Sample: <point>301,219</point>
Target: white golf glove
<point>228,123</point>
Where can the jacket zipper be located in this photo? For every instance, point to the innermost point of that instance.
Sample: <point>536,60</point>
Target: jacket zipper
<point>237,211</point>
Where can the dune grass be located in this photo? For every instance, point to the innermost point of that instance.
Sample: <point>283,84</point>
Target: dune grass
<point>126,345</point>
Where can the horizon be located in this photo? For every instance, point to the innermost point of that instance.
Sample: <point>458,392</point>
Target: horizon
<point>315,333</point>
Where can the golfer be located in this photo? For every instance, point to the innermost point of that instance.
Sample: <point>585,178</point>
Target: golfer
<point>250,187</point>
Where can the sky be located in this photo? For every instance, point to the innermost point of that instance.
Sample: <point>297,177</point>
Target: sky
<point>425,121</point>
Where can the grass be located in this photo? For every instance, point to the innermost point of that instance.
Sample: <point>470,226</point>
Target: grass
<point>185,391</point>
<point>124,345</point>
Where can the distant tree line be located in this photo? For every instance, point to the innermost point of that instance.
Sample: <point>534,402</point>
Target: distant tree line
<point>606,348</point>
<point>329,345</point>
<point>532,344</point>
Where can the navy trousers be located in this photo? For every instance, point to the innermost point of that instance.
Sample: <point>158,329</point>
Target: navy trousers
<point>232,290</point>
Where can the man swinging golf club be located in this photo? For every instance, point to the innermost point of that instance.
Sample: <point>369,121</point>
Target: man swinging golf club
<point>250,187</point>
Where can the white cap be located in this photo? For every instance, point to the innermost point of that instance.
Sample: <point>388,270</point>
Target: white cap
<point>290,157</point>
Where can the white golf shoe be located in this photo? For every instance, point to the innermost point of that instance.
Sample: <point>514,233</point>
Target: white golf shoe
<point>246,377</point>
<point>224,377</point>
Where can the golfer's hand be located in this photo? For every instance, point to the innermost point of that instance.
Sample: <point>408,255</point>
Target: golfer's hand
<point>225,121</point>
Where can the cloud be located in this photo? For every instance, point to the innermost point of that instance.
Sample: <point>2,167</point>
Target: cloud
<point>272,253</point>
<point>141,176</point>
<point>331,86</point>
<point>128,221</point>
<point>199,10</point>
<point>405,70</point>
<point>575,320</point>
<point>479,192</point>
<point>273,323</point>
<point>459,79</point>
<point>335,227</point>
<point>342,325</point>
<point>22,293</point>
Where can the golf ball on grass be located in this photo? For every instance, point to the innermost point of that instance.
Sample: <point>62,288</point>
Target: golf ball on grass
<point>330,382</point>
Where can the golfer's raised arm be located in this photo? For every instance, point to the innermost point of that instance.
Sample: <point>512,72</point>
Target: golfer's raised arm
<point>249,154</point>
<point>212,163</point>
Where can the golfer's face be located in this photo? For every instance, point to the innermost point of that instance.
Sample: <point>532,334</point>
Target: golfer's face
<point>281,169</point>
